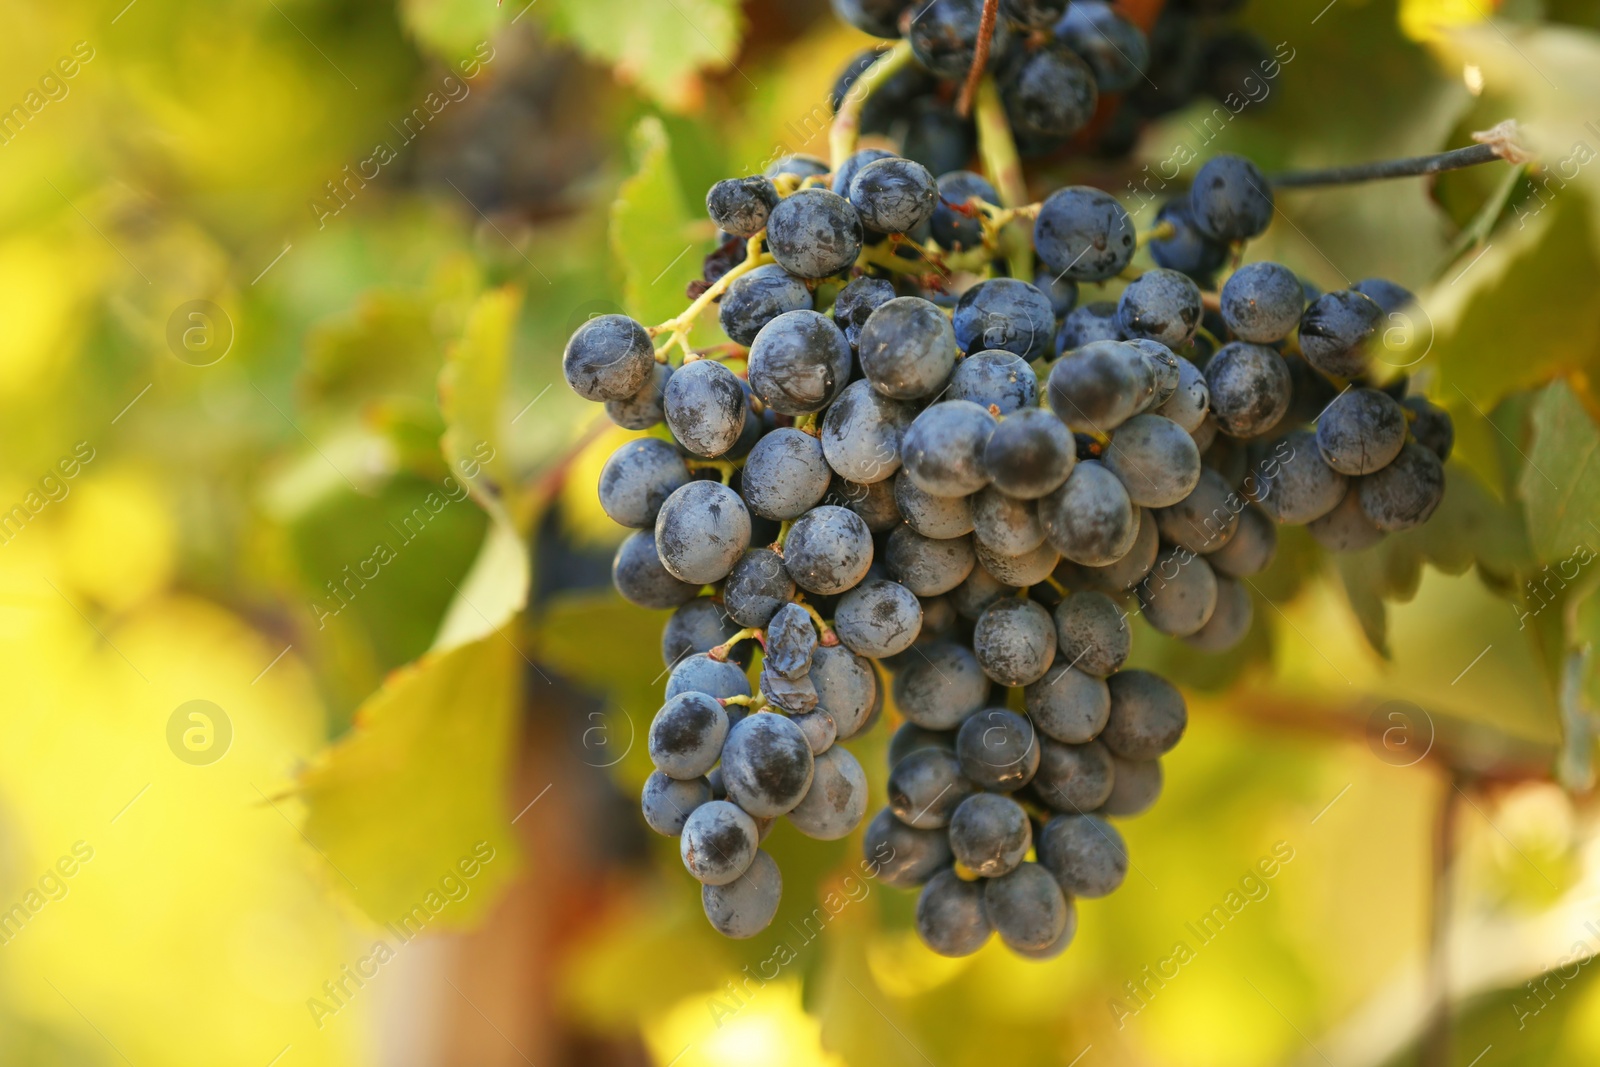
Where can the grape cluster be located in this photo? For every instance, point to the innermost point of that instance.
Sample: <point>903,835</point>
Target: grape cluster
<point>1077,74</point>
<point>907,459</point>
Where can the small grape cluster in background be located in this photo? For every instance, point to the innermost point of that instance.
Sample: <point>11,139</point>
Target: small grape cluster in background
<point>972,480</point>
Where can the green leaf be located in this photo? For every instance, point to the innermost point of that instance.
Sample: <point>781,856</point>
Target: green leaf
<point>418,786</point>
<point>494,591</point>
<point>1561,483</point>
<point>454,28</point>
<point>661,48</point>
<point>656,235</point>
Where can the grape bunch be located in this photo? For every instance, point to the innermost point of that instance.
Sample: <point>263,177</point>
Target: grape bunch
<point>920,454</point>
<point>1077,75</point>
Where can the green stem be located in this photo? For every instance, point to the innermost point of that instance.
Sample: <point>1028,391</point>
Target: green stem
<point>1479,226</point>
<point>998,150</point>
<point>846,128</point>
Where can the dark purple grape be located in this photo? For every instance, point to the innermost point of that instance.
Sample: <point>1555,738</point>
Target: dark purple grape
<point>1082,233</point>
<point>814,233</point>
<point>1005,314</point>
<point>740,206</point>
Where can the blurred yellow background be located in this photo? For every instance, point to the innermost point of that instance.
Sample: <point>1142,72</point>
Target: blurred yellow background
<point>319,727</point>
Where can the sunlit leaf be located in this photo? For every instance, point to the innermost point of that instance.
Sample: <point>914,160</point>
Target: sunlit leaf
<point>1561,482</point>
<point>656,235</point>
<point>661,48</point>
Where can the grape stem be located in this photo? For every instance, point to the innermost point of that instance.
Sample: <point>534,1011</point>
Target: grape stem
<point>998,149</point>
<point>1161,232</point>
<point>724,467</point>
<point>980,57</point>
<point>721,652</point>
<point>1496,144</point>
<point>829,638</point>
<point>678,327</point>
<point>846,129</point>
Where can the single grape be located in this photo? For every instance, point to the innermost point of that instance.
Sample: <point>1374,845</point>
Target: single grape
<point>1262,302</point>
<point>793,695</point>
<point>1431,426</point>
<point>911,737</point>
<point>1156,460</point>
<point>1164,367</point>
<point>820,730</point>
<point>997,749</point>
<point>1083,234</point>
<point>828,550</point>
<point>1187,250</point>
<point>1015,641</point>
<point>944,37</point>
<point>952,918</point>
<point>976,592</point>
<point>1072,778</point>
<point>642,580</point>
<point>875,503</point>
<point>847,688</point>
<point>668,802</point>
<point>1135,785</point>
<point>1051,94</point>
<point>1179,594</point>
<point>856,302</point>
<point>791,639</point>
<point>1300,487</point>
<point>638,479</point>
<point>1406,492</point>
<point>1084,853</point>
<point>956,225</point>
<point>1090,519</point>
<point>1230,199</point>
<point>740,206</point>
<point>1062,942</point>
<point>1148,716</point>
<point>1027,907</point>
<point>1114,48</point>
<point>1386,294</point>
<point>1029,454</point>
<point>698,626</point>
<point>940,687</point>
<point>932,516</point>
<point>719,842</point>
<point>904,857</point>
<point>1020,570</point>
<point>1249,386</point>
<point>755,299</point>
<point>893,195</point>
<point>1087,324</point>
<point>799,362</point>
<point>1162,305</point>
<point>1100,386</point>
<point>814,233</point>
<point>745,906</point>
<point>1005,525</point>
<point>1230,623</point>
<point>1251,548</point>
<point>705,407</point>
<point>847,171</point>
<point>861,433</point>
<point>646,408</point>
<point>701,531</point>
<point>878,618</point>
<point>686,735</point>
<point>907,348</point>
<point>717,679</point>
<point>942,449</point>
<point>1206,519</point>
<point>1092,635</point>
<point>1007,315</point>
<point>1063,292</point>
<point>1361,431</point>
<point>1190,401</point>
<point>757,587</point>
<point>609,357</point>
<point>837,800</point>
<point>797,166</point>
<point>926,786</point>
<point>1126,572</point>
<point>990,834</point>
<point>1335,329</point>
<point>926,566</point>
<point>786,475</point>
<point>1068,704</point>
<point>767,764</point>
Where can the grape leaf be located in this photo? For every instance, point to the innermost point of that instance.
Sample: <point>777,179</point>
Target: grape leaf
<point>661,48</point>
<point>418,785</point>
<point>656,235</point>
<point>1561,482</point>
<point>471,390</point>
